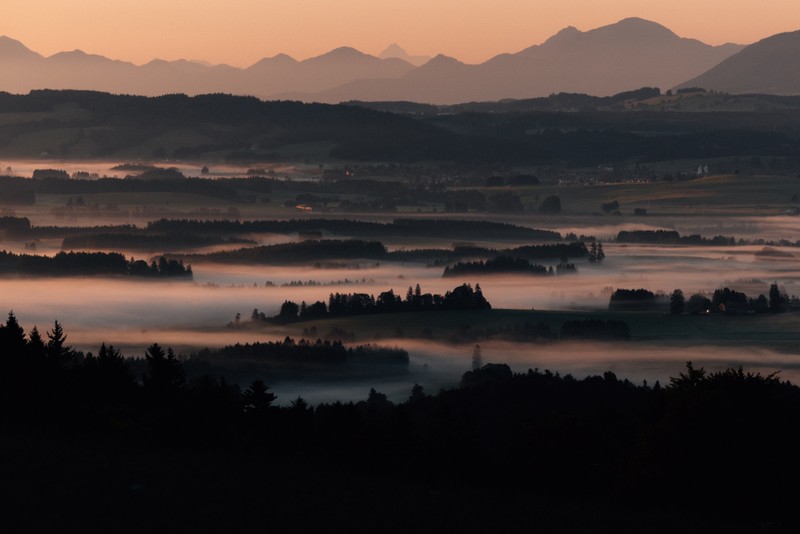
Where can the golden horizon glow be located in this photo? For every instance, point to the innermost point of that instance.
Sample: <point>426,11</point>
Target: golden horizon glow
<point>241,32</point>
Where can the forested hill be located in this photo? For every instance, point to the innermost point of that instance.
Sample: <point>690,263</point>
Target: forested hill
<point>83,124</point>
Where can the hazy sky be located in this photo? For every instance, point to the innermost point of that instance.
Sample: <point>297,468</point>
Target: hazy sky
<point>240,32</point>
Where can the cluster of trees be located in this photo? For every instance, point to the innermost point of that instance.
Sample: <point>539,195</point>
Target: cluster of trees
<point>15,226</point>
<point>442,228</point>
<point>463,297</point>
<point>78,386</point>
<point>134,239</point>
<point>550,205</point>
<point>731,302</point>
<point>500,264</point>
<point>612,206</point>
<point>671,237</point>
<point>91,263</point>
<point>562,251</point>
<point>637,300</point>
<point>596,253</point>
<point>505,264</point>
<point>300,252</point>
<point>289,359</point>
<point>725,300</point>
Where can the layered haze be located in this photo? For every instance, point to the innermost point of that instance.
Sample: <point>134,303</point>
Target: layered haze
<point>629,54</point>
<point>191,315</point>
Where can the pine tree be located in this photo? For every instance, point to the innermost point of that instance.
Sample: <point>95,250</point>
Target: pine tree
<point>257,398</point>
<point>36,346</point>
<point>165,376</point>
<point>775,300</point>
<point>13,336</point>
<point>56,348</point>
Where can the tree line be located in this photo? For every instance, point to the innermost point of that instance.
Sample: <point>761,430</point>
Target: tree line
<point>671,237</point>
<point>721,301</point>
<point>447,228</point>
<point>91,263</point>
<point>504,264</point>
<point>463,297</point>
<point>731,302</point>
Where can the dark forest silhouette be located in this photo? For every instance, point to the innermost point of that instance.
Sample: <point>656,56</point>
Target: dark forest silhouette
<point>235,126</point>
<point>462,297</point>
<point>91,263</point>
<point>698,442</point>
<point>721,301</point>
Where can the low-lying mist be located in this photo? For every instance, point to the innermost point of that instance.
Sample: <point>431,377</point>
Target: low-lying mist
<point>437,365</point>
<point>132,314</point>
<point>219,292</point>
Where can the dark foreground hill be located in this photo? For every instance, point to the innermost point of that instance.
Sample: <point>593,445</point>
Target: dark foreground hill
<point>89,445</point>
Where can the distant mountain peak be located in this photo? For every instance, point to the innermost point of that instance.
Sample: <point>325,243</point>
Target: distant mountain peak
<point>565,34</point>
<point>441,59</point>
<point>13,49</point>
<point>393,50</point>
<point>283,58</point>
<point>342,52</point>
<point>638,21</point>
<point>637,29</point>
<point>626,32</point>
<point>78,54</point>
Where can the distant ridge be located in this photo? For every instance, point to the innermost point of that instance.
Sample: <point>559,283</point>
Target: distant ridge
<point>13,50</point>
<point>771,66</point>
<point>630,53</point>
<point>395,51</point>
<point>604,61</point>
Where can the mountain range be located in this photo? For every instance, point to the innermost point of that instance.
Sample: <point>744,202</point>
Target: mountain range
<point>629,54</point>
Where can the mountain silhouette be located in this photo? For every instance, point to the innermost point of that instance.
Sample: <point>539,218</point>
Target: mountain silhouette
<point>265,78</point>
<point>395,51</point>
<point>13,50</point>
<point>771,65</point>
<point>626,55</point>
<point>629,54</point>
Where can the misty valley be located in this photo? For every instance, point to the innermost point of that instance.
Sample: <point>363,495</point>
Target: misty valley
<point>194,283</point>
<point>592,303</point>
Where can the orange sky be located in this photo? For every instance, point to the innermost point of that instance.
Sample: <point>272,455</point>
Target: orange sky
<point>240,32</point>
